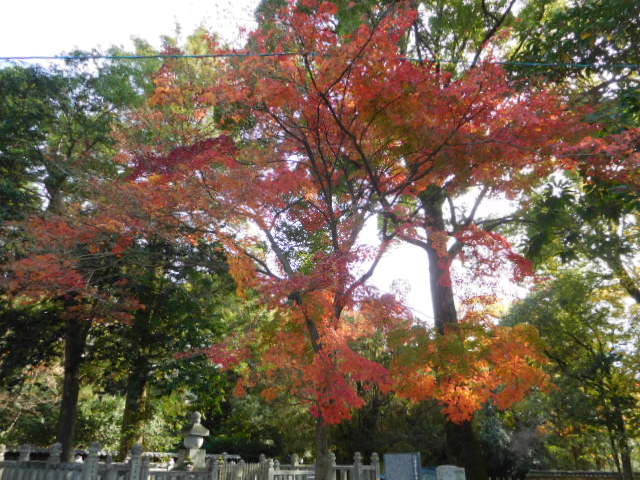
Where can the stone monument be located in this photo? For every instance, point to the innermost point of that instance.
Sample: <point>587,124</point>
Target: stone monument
<point>428,473</point>
<point>402,466</point>
<point>192,457</point>
<point>450,472</point>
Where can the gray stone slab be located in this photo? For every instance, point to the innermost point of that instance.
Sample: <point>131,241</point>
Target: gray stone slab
<point>402,466</point>
<point>428,473</point>
<point>450,472</point>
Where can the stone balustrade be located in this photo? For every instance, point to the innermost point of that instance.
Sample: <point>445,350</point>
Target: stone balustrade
<point>97,465</point>
<point>574,475</point>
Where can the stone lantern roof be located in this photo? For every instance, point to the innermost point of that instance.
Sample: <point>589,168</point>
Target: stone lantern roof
<point>195,429</point>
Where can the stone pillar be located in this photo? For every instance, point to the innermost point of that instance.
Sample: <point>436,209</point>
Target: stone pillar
<point>332,465</point>
<point>25,453</point>
<point>90,467</point>
<point>295,460</point>
<point>271,470</point>
<point>222,467</point>
<point>135,462</point>
<point>55,451</point>
<point>375,463</point>
<point>263,469</point>
<point>144,468</point>
<point>214,469</point>
<point>3,450</point>
<point>450,472</point>
<point>357,466</point>
<point>239,473</point>
<point>109,471</point>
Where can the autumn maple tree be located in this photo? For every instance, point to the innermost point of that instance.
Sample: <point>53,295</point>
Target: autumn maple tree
<point>289,212</point>
<point>316,142</point>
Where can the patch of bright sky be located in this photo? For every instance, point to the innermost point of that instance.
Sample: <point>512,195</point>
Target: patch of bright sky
<point>44,27</point>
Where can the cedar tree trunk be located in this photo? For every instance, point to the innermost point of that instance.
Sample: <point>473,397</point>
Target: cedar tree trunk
<point>75,336</point>
<point>134,407</point>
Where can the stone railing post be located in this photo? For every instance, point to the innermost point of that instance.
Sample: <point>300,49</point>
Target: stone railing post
<point>222,467</point>
<point>263,468</point>
<point>90,467</point>
<point>295,460</point>
<point>357,467</point>
<point>213,469</point>
<point>109,472</point>
<point>25,453</point>
<point>55,451</point>
<point>3,449</point>
<point>239,470</point>
<point>375,463</point>
<point>135,463</point>
<point>332,466</point>
<point>271,470</point>
<point>144,468</point>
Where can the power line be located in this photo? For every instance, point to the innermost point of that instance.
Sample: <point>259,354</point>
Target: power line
<point>155,56</point>
<point>286,54</point>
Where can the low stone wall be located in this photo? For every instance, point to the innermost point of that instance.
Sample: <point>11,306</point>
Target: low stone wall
<point>575,475</point>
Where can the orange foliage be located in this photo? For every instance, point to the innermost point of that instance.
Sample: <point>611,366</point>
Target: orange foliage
<point>469,366</point>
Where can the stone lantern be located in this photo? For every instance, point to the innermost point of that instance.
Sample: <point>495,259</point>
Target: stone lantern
<point>192,457</point>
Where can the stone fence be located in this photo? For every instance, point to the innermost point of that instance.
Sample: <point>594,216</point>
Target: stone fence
<point>140,467</point>
<point>575,475</point>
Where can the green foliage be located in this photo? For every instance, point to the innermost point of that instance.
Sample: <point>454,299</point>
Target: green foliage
<point>28,410</point>
<point>594,222</point>
<point>586,330</point>
<point>99,417</point>
<point>584,31</point>
<point>29,336</point>
<point>55,127</point>
<point>389,424</point>
<point>25,111</point>
<point>250,426</point>
<point>166,418</point>
<point>511,440</point>
<point>457,30</point>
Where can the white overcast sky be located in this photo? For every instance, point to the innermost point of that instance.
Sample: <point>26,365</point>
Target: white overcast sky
<point>45,27</point>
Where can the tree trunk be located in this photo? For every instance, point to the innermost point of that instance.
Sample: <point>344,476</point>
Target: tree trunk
<point>444,307</point>
<point>134,407</point>
<point>623,444</point>
<point>323,464</point>
<point>322,467</point>
<point>75,336</point>
<point>462,445</point>
<point>614,450</point>
<point>463,449</point>
<point>625,456</point>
